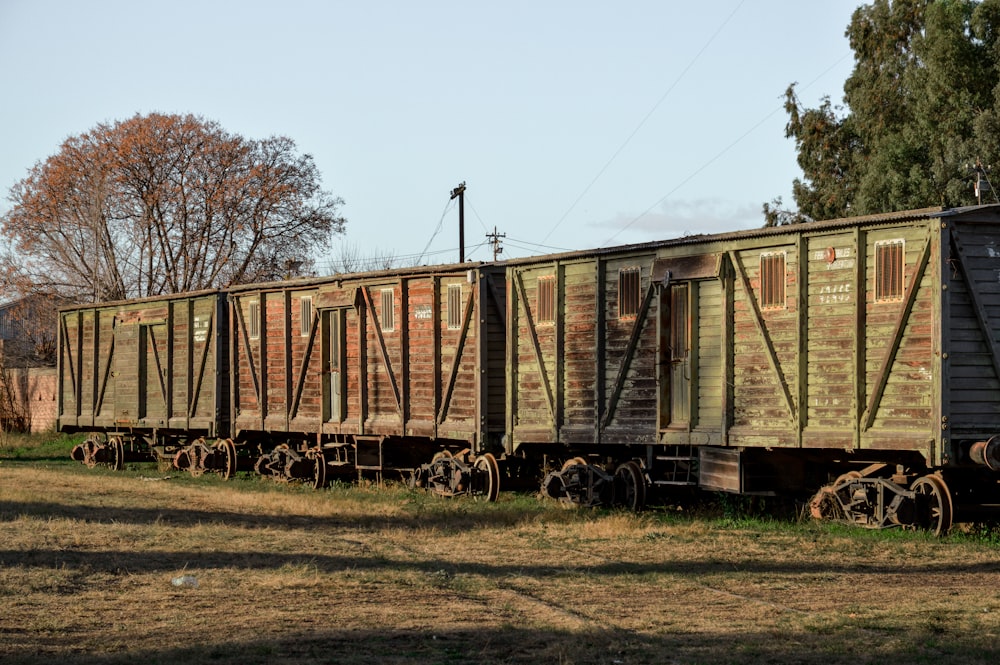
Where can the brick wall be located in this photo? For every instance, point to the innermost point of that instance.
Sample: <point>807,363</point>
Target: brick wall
<point>35,390</point>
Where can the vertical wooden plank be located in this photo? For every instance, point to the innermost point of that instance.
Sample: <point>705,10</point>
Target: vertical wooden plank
<point>482,389</point>
<point>404,352</point>
<point>662,374</point>
<point>61,378</point>
<point>728,341</point>
<point>286,321</point>
<point>513,341</point>
<point>78,382</point>
<point>860,350</point>
<point>363,360</point>
<point>262,373</point>
<point>234,377</point>
<point>694,342</point>
<point>940,234</point>
<point>802,333</point>
<point>436,328</point>
<point>600,347</point>
<point>560,325</point>
<point>94,379</point>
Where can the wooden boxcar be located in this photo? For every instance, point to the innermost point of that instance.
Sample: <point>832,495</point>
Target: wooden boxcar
<point>862,351</point>
<point>373,372</point>
<point>144,376</point>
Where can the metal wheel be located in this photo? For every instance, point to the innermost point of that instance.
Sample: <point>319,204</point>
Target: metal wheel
<point>573,462</point>
<point>227,449</point>
<point>630,486</point>
<point>117,453</point>
<point>934,504</point>
<point>319,470</point>
<point>487,463</point>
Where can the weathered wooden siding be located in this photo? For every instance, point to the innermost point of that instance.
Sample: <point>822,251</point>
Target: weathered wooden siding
<point>630,357</point>
<point>586,375</point>
<point>247,379</point>
<point>458,371</point>
<point>972,272</point>
<point>151,364</point>
<point>493,310</point>
<point>416,375</point>
<point>711,384</point>
<point>900,384</point>
<point>532,357</point>
<point>577,295</point>
<point>832,331</point>
<point>765,354</point>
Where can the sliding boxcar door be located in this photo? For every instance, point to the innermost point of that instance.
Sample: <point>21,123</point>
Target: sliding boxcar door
<point>676,355</point>
<point>335,360</point>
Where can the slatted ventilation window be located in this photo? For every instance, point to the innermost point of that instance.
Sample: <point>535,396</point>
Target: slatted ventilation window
<point>388,310</point>
<point>547,299</point>
<point>305,315</point>
<point>628,292</point>
<point>890,256</point>
<point>454,306</point>
<point>253,319</point>
<point>772,280</point>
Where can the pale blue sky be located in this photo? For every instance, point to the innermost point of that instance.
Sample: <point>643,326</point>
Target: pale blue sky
<point>574,124</point>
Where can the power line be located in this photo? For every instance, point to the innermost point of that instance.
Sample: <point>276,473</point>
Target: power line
<point>437,230</point>
<point>643,121</point>
<point>717,156</point>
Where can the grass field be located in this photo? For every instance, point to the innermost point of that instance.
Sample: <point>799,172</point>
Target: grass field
<point>369,574</point>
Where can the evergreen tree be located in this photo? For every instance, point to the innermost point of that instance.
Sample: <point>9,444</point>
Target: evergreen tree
<point>922,106</point>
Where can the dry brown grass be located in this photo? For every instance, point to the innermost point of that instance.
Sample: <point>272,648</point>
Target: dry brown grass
<point>366,575</point>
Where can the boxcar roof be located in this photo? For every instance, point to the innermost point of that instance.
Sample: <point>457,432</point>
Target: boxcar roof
<point>373,275</point>
<point>989,212</point>
<point>138,301</point>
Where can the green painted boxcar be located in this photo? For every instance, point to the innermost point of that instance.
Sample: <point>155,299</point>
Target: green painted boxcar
<point>857,359</point>
<point>143,376</point>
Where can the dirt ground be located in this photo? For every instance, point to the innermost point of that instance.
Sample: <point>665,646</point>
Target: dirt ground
<point>289,575</point>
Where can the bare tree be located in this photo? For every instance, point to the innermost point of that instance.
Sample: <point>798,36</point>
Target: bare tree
<point>14,416</point>
<point>348,258</point>
<point>163,204</point>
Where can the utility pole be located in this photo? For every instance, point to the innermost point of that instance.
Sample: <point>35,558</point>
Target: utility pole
<point>460,193</point>
<point>982,183</point>
<point>495,239</point>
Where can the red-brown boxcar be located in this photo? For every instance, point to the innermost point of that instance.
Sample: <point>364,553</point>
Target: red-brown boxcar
<point>376,371</point>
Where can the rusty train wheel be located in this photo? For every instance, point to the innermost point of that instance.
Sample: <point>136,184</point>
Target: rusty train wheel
<point>574,461</point>
<point>487,463</point>
<point>117,451</point>
<point>937,512</point>
<point>227,449</point>
<point>320,471</point>
<point>630,486</point>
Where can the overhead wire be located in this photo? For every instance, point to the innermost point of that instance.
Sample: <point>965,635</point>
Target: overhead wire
<point>717,156</point>
<point>437,229</point>
<point>645,118</point>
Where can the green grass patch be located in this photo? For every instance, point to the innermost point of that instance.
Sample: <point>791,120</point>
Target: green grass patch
<point>37,447</point>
